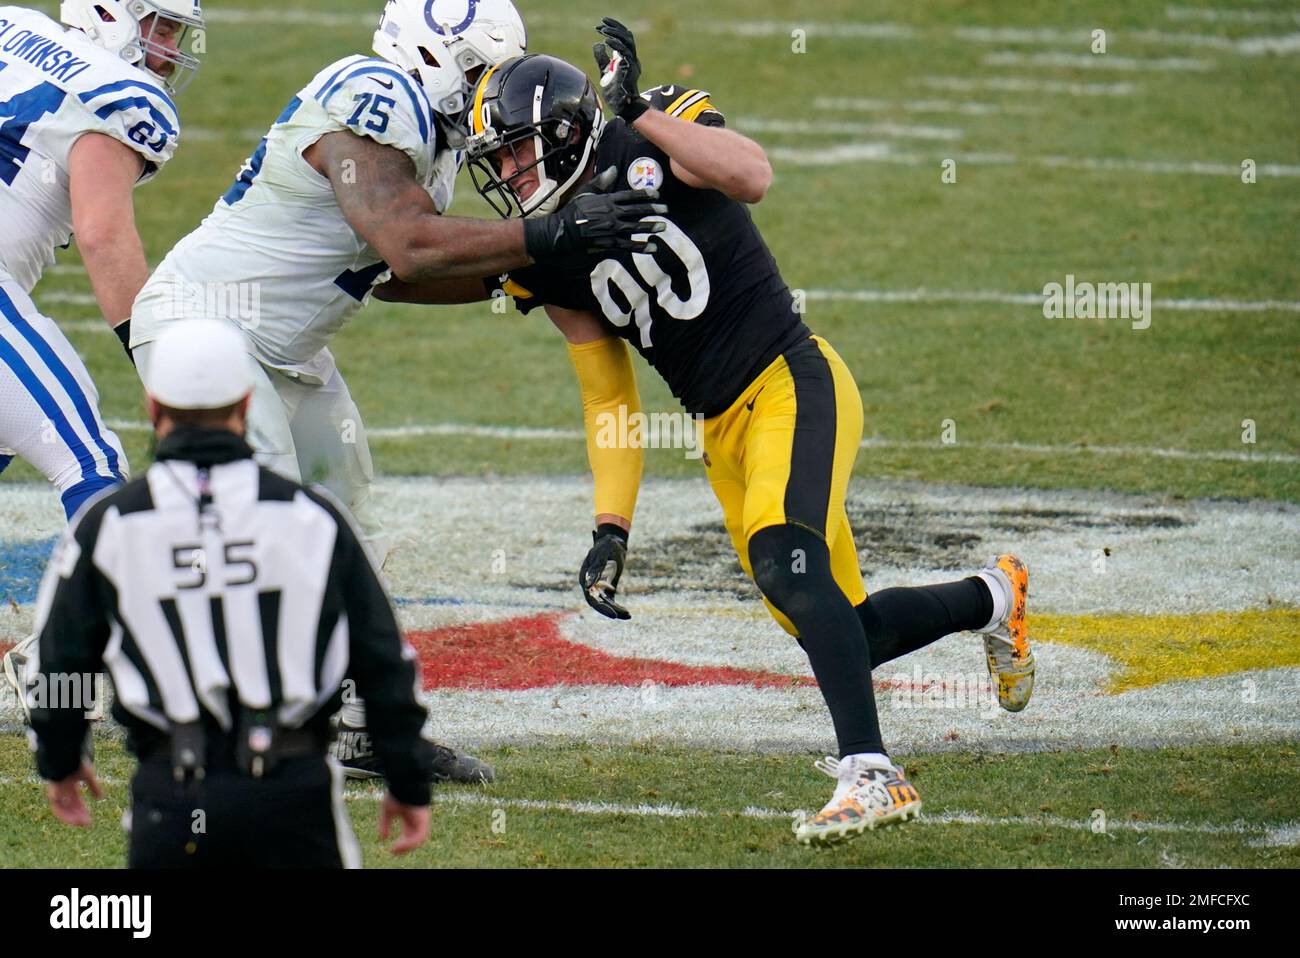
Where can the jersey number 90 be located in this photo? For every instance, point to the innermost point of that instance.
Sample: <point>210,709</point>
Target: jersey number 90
<point>654,281</point>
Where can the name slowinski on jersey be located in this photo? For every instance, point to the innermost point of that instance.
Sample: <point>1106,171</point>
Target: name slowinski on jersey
<point>48,56</point>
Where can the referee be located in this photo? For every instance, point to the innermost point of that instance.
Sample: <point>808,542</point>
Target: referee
<point>231,607</point>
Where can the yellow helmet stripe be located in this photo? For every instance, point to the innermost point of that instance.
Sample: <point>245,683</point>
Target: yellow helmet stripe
<point>676,104</point>
<point>693,112</point>
<point>476,120</point>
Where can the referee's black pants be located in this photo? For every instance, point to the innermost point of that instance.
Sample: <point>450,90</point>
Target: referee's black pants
<point>293,818</point>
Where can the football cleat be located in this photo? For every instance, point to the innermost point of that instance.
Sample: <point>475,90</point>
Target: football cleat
<point>355,752</point>
<point>1006,641</point>
<point>867,795</point>
<point>14,669</point>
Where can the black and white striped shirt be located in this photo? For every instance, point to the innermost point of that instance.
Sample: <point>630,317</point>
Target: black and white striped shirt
<point>211,583</point>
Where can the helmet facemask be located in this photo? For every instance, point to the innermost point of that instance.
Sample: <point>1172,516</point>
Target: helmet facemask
<point>184,66</point>
<point>561,154</point>
<point>116,25</point>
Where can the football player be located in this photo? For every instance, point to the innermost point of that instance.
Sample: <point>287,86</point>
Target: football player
<point>782,414</point>
<point>87,114</point>
<point>346,190</point>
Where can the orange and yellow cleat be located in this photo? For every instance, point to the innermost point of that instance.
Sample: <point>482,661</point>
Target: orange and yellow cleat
<point>1006,642</point>
<point>867,795</point>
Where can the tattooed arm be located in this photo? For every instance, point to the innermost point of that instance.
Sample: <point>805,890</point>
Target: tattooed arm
<point>376,188</point>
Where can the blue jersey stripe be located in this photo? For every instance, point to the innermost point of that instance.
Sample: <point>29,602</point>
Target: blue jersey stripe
<point>10,357</point>
<point>133,84</point>
<point>330,82</point>
<point>137,101</point>
<point>421,112</point>
<point>249,171</point>
<point>66,379</point>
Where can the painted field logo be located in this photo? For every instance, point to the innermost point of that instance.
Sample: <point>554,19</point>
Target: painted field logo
<point>656,430</point>
<point>1130,301</point>
<point>75,911</point>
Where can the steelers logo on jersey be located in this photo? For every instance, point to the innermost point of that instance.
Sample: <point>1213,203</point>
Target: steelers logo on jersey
<point>645,174</point>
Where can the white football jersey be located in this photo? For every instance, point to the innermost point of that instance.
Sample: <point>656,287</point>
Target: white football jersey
<point>56,85</point>
<point>276,255</point>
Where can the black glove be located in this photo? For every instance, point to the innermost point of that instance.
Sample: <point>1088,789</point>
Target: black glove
<point>602,569</point>
<point>123,331</point>
<point>620,70</point>
<point>595,222</point>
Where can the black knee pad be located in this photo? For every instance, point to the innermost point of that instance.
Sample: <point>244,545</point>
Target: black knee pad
<point>792,568</point>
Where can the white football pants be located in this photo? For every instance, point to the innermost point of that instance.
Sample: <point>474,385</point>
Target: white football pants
<point>307,428</point>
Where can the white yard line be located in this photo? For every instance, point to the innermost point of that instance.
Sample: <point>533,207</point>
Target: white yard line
<point>833,30</point>
<point>1280,837</point>
<point>883,152</point>
<point>432,430</point>
<point>924,295</point>
<point>474,799</point>
<point>964,108</point>
<point>1091,61</point>
<point>1232,16</point>
<point>841,30</point>
<point>1026,85</point>
<point>1268,835</point>
<point>754,124</point>
<point>1081,39</point>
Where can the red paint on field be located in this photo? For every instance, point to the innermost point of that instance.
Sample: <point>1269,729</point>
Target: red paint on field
<point>529,653</point>
<point>5,647</point>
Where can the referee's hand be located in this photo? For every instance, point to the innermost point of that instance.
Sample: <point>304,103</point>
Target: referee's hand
<point>68,805</point>
<point>414,824</point>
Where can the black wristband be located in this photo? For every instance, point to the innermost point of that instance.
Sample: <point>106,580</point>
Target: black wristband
<point>123,331</point>
<point>539,237</point>
<point>610,529</point>
<point>633,110</point>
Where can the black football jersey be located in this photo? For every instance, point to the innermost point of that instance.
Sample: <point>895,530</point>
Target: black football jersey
<point>708,310</point>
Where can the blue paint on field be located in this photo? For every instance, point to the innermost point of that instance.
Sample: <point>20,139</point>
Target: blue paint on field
<point>22,564</point>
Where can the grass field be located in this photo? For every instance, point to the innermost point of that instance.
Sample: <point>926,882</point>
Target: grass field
<point>597,807</point>
<point>1121,167</point>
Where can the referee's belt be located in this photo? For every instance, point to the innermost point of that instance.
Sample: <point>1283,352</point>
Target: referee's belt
<point>222,748</point>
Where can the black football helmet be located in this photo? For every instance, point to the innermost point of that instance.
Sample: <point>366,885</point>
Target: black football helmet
<point>542,99</point>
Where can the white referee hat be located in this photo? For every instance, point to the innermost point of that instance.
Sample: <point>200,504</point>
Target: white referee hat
<point>199,364</point>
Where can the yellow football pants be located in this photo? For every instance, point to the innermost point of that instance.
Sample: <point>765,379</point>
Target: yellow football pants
<point>783,453</point>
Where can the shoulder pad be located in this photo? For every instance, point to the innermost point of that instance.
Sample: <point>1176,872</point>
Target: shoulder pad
<point>693,105</point>
<point>136,111</point>
<point>373,98</point>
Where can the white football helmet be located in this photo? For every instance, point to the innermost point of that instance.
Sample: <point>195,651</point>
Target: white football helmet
<point>115,26</point>
<point>446,45</point>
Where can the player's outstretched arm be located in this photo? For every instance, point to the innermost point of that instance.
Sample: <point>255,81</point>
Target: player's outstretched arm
<point>446,292</point>
<point>102,174</point>
<point>710,157</point>
<point>704,157</point>
<point>607,381</point>
<point>378,193</point>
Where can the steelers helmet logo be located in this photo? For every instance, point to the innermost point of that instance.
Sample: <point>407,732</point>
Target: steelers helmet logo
<point>645,174</point>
